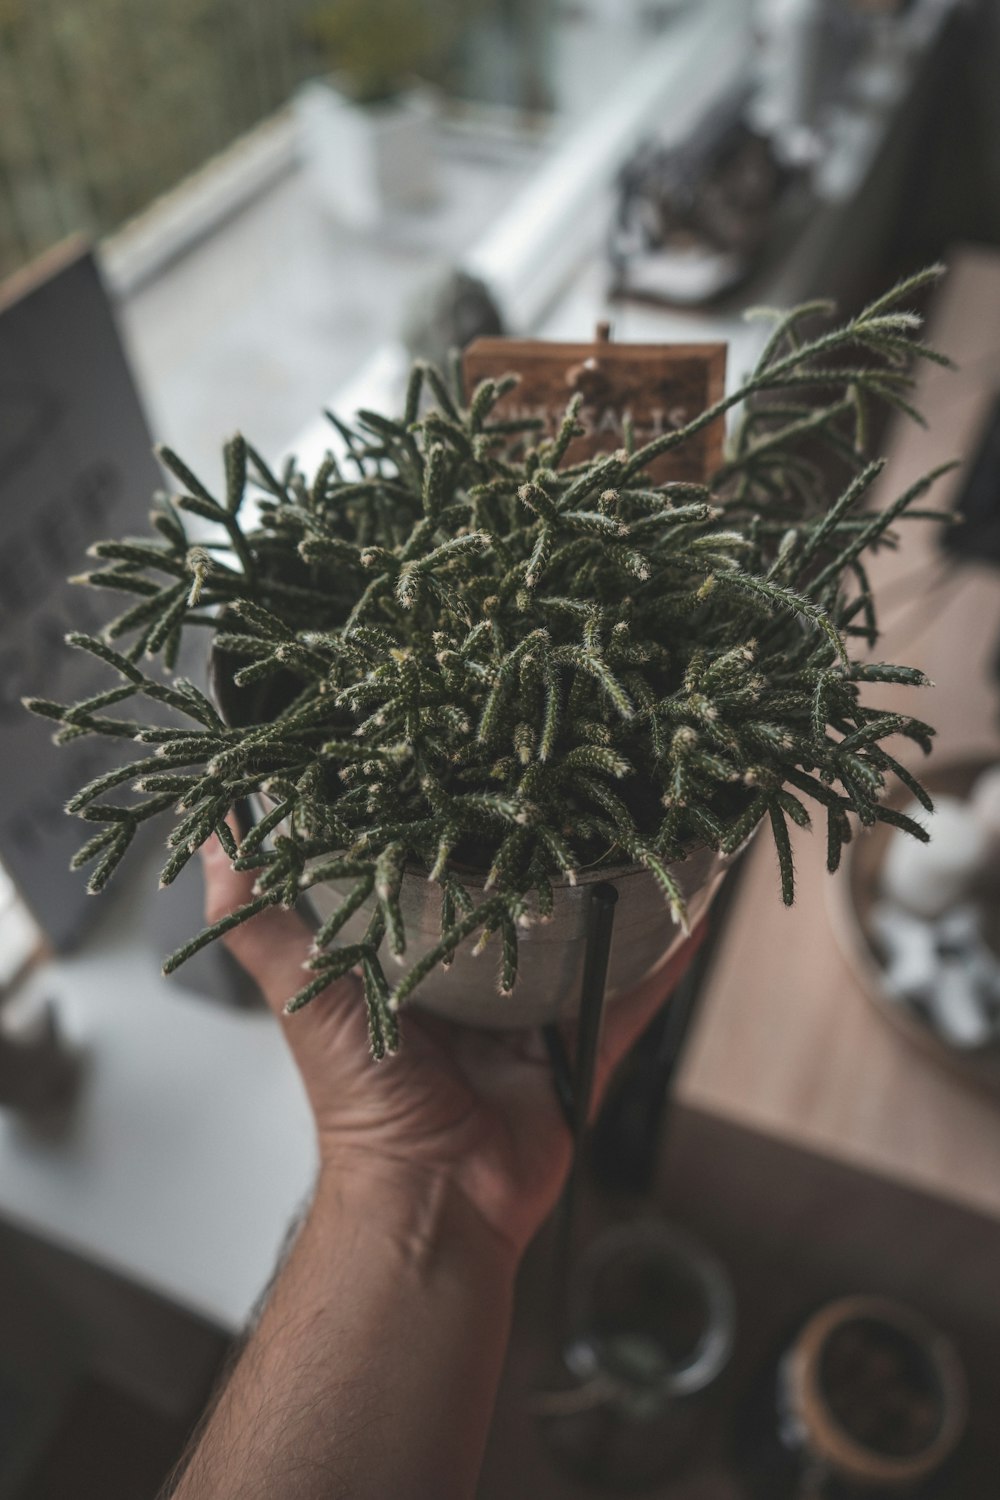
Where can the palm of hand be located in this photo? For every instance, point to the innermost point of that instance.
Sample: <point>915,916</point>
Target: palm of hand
<point>474,1108</point>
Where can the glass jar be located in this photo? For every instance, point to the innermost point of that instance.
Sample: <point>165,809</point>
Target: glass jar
<point>651,1318</point>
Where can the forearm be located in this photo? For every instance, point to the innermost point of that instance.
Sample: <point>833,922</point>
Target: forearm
<point>374,1367</point>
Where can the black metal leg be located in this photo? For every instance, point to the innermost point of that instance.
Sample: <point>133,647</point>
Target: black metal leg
<point>603,899</point>
<point>576,1098</point>
<point>626,1141</point>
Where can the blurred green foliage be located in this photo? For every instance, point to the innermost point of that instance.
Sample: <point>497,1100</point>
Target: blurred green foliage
<point>105,104</point>
<point>376,48</point>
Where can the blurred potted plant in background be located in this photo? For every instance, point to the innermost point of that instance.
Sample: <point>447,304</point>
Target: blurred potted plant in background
<point>366,124</point>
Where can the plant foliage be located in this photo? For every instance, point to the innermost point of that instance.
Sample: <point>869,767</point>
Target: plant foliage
<point>457,650</point>
<point>378,47</point>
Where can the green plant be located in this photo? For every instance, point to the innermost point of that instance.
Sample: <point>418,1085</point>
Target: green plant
<point>189,78</point>
<point>457,650</point>
<point>377,47</point>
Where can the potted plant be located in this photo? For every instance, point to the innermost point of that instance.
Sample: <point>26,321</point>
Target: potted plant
<point>365,126</point>
<point>462,679</point>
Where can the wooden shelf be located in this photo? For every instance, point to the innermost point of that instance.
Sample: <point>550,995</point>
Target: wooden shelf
<point>787,1042</point>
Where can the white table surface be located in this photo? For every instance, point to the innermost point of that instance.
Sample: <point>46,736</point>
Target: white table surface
<point>189,1150</point>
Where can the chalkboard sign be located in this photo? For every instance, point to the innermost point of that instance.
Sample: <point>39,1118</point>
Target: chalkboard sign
<point>75,466</point>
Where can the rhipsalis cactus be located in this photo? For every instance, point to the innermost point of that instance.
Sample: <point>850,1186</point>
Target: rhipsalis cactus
<point>462,652</point>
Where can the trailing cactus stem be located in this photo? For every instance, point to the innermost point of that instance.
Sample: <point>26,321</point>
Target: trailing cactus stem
<point>478,655</point>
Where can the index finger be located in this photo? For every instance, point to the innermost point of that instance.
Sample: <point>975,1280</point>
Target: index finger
<point>626,1019</point>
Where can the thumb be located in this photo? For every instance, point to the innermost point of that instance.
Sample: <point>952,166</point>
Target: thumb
<point>272,946</point>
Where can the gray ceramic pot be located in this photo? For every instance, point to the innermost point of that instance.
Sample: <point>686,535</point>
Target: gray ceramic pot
<point>550,954</point>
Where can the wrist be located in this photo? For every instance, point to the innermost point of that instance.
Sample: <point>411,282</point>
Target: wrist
<point>421,1212</point>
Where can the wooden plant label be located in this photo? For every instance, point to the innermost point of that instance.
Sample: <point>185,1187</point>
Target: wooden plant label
<point>660,387</point>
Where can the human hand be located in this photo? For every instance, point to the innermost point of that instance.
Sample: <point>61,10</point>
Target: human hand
<point>459,1108</point>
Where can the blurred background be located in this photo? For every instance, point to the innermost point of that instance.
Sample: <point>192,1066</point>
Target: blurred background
<point>259,247</point>
<point>219,216</point>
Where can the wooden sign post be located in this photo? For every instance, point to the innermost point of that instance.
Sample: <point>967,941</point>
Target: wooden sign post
<point>658,387</point>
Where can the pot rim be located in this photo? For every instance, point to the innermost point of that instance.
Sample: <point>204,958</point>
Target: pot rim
<point>590,875</point>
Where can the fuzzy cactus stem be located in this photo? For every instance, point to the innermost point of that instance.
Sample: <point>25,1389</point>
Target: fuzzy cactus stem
<point>454,650</point>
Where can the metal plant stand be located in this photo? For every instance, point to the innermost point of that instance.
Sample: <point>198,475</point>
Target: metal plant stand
<point>643,1316</point>
<point>575,1083</point>
<point>626,1140</point>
